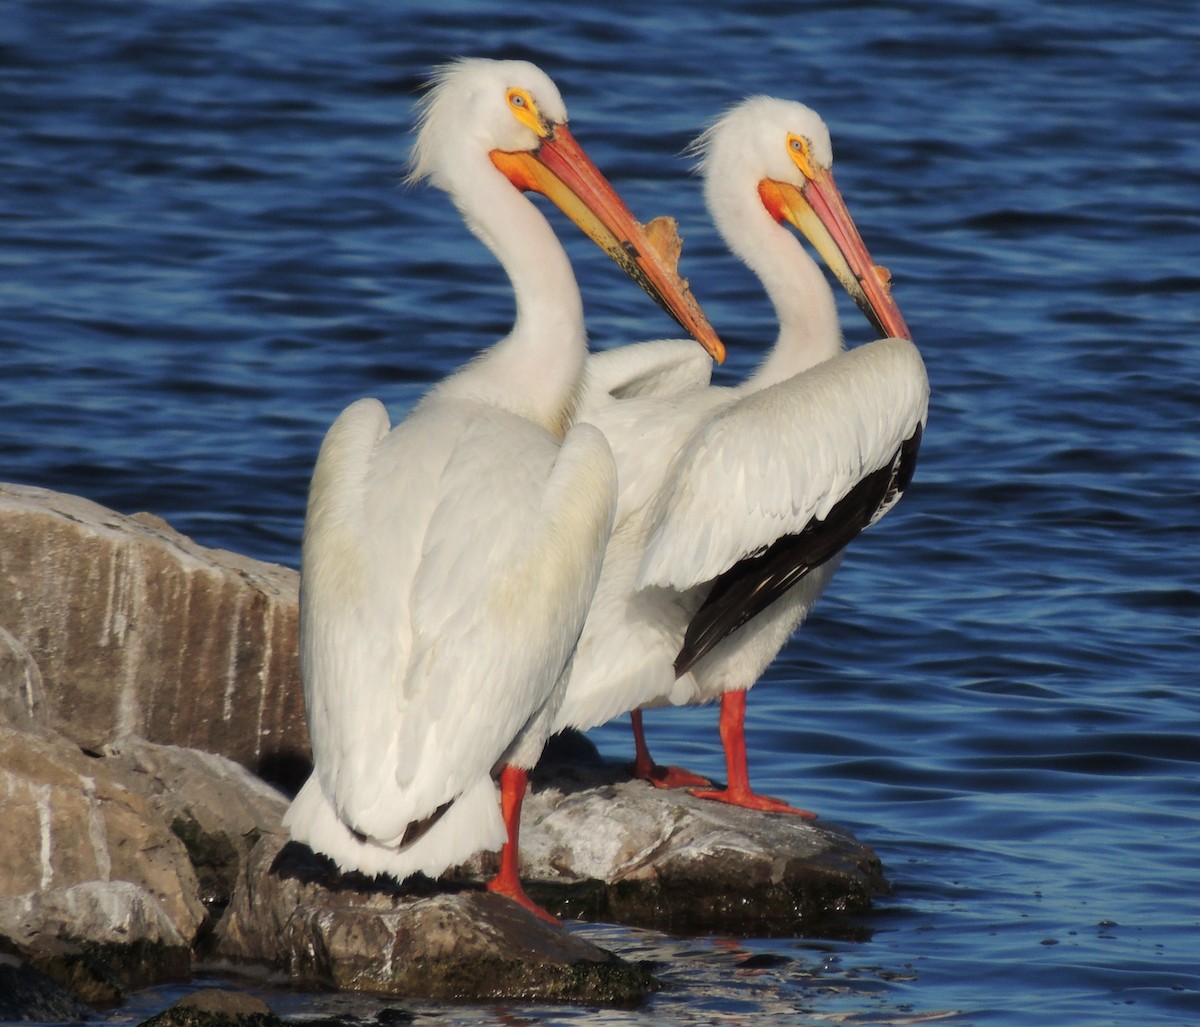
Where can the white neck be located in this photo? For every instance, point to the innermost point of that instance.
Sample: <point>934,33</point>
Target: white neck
<point>809,330</point>
<point>534,371</point>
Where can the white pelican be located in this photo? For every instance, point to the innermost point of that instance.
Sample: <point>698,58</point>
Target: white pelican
<point>734,502</point>
<point>448,562</point>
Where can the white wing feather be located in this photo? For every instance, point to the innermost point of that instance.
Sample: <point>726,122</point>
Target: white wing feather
<point>774,460</point>
<point>440,596</point>
<point>662,367</point>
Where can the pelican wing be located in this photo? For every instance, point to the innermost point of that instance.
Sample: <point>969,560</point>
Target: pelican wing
<point>662,367</point>
<point>780,459</point>
<point>446,584</point>
<point>532,574</point>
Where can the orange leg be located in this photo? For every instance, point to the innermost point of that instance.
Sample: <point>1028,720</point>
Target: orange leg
<point>645,769</point>
<point>507,881</point>
<point>733,736</point>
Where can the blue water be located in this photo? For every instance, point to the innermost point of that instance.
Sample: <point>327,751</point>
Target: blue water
<point>207,252</point>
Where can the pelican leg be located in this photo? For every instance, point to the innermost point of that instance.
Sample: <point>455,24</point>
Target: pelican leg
<point>507,882</point>
<point>645,769</point>
<point>738,791</point>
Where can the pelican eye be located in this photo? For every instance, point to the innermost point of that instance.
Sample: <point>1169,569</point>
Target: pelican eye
<point>801,154</point>
<point>525,111</point>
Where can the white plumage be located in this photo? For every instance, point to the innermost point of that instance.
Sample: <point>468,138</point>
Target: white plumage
<point>448,562</point>
<point>778,458</point>
<point>709,477</point>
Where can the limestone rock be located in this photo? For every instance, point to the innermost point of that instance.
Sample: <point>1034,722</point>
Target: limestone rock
<point>136,629</point>
<point>53,929</point>
<point>96,885</point>
<point>82,852</point>
<point>22,698</point>
<point>599,846</point>
<point>595,845</point>
<point>293,911</point>
<point>215,806</point>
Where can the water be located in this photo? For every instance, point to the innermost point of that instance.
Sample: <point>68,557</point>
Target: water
<point>208,252</point>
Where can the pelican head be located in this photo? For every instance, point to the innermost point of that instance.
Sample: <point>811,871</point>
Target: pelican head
<point>510,113</point>
<point>779,153</point>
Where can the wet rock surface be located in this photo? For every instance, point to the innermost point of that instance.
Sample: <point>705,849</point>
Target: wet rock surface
<point>216,1007</point>
<point>97,890</point>
<point>28,995</point>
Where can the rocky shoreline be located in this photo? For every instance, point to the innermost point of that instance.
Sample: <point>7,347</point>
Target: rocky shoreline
<point>151,723</point>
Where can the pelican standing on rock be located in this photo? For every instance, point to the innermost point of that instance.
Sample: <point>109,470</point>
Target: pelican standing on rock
<point>734,502</point>
<point>448,562</point>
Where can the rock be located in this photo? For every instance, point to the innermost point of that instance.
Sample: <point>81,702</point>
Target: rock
<point>106,858</point>
<point>86,850</point>
<point>216,1007</point>
<point>595,845</point>
<point>216,807</point>
<point>136,629</point>
<point>28,995</point>
<point>599,846</point>
<point>22,698</point>
<point>116,860</point>
<point>95,890</point>
<point>293,911</point>
<point>224,1002</point>
<point>103,973</point>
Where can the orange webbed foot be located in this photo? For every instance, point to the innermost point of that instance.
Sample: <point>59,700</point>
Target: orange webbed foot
<point>515,892</point>
<point>751,800</point>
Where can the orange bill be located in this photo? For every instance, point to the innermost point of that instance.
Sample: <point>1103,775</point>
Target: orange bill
<point>560,170</point>
<point>818,211</point>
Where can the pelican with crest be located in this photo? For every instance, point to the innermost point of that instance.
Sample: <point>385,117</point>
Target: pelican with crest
<point>448,562</point>
<point>735,502</point>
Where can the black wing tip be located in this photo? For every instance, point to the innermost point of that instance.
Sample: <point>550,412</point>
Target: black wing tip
<point>756,581</point>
